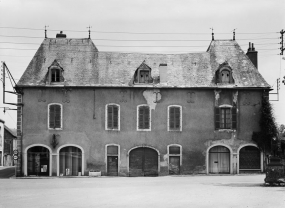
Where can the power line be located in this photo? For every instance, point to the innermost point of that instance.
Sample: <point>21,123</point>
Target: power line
<point>128,32</point>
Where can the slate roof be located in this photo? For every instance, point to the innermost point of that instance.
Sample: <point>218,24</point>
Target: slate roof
<point>84,66</point>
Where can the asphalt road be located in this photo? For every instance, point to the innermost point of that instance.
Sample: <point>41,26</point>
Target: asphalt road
<point>239,191</point>
<point>7,172</point>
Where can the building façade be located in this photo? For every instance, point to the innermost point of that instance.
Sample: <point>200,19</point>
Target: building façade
<point>132,114</point>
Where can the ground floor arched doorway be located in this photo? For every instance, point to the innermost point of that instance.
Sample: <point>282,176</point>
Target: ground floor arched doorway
<point>38,161</point>
<point>219,160</point>
<point>70,161</point>
<point>143,161</point>
<point>249,159</point>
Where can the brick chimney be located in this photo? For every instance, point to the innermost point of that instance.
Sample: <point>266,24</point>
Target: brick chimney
<point>60,35</point>
<point>163,73</point>
<point>252,54</point>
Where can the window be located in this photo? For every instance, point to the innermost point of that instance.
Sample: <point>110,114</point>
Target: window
<point>143,118</point>
<point>55,75</point>
<point>143,74</point>
<point>55,116</point>
<point>225,76</point>
<point>112,117</point>
<point>226,117</point>
<point>174,118</point>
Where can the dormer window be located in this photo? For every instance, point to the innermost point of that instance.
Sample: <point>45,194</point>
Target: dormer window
<point>224,75</point>
<point>143,74</point>
<point>55,73</point>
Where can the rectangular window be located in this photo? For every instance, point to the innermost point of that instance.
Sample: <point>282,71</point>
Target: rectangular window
<point>143,117</point>
<point>174,118</point>
<point>55,117</point>
<point>55,75</point>
<point>226,118</point>
<point>113,117</point>
<point>144,76</point>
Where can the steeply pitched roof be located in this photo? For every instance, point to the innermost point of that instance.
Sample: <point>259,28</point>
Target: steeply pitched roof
<point>10,131</point>
<point>84,66</point>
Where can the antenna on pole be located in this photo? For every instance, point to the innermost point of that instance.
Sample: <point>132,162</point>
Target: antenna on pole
<point>46,31</point>
<point>89,31</point>
<point>234,34</point>
<point>212,33</point>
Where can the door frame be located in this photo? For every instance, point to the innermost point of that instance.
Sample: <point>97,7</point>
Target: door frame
<point>207,157</point>
<point>177,155</point>
<point>25,156</point>
<point>145,146</point>
<point>261,156</point>
<point>72,145</point>
<point>106,157</point>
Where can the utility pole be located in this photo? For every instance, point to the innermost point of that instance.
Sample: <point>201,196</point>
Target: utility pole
<point>282,41</point>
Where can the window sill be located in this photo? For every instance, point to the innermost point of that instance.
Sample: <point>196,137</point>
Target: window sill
<point>172,130</point>
<point>226,130</point>
<point>56,129</point>
<point>143,129</point>
<point>112,129</point>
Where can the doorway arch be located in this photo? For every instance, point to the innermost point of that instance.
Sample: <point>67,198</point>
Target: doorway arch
<point>143,161</point>
<point>250,158</point>
<point>219,159</point>
<point>37,160</point>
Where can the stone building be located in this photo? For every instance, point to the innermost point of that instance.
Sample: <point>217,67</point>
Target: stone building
<point>133,114</point>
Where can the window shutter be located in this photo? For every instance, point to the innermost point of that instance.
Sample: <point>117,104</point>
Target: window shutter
<point>177,118</point>
<point>109,117</point>
<point>141,115</point>
<point>234,118</point>
<point>115,117</point>
<point>171,118</point>
<point>51,116</point>
<point>217,117</point>
<point>146,118</point>
<point>57,116</point>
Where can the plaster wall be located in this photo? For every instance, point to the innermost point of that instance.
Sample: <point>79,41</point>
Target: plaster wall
<point>84,123</point>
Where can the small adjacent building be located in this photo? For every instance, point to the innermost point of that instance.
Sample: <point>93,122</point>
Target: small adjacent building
<point>133,114</point>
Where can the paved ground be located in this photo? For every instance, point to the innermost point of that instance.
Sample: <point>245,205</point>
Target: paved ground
<point>169,191</point>
<point>7,172</point>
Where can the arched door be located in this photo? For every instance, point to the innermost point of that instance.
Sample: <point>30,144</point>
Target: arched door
<point>70,161</point>
<point>38,161</point>
<point>143,161</point>
<point>249,158</point>
<point>219,160</point>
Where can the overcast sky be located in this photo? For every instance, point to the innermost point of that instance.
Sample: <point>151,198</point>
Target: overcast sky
<point>257,21</point>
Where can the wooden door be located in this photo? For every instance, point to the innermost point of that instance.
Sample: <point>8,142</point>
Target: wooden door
<point>174,165</point>
<point>219,160</point>
<point>112,166</point>
<point>143,162</point>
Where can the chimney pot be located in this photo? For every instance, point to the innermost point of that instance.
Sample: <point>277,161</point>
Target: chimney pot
<point>60,35</point>
<point>252,54</point>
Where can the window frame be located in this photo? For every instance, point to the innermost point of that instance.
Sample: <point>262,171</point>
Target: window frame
<point>106,117</point>
<point>177,155</point>
<point>138,107</point>
<point>230,107</point>
<point>168,117</point>
<point>219,75</point>
<point>48,116</point>
<point>118,155</point>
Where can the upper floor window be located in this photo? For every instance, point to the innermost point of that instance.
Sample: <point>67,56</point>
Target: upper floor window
<point>55,72</point>
<point>224,75</point>
<point>55,75</point>
<point>174,118</point>
<point>112,117</point>
<point>143,118</point>
<point>55,116</point>
<point>143,74</point>
<point>226,117</point>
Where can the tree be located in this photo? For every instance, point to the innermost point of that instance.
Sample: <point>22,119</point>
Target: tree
<point>268,135</point>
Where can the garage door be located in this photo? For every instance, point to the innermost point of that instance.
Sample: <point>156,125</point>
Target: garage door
<point>249,158</point>
<point>143,161</point>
